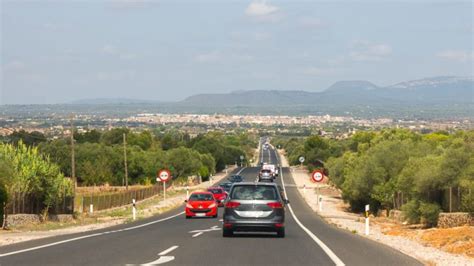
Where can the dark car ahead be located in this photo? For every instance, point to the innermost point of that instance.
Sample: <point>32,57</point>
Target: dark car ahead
<point>226,186</point>
<point>235,178</point>
<point>254,207</point>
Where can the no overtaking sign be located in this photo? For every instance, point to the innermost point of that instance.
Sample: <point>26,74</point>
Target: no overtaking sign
<point>163,175</point>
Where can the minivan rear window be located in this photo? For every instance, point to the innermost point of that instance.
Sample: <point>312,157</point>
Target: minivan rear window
<point>249,192</point>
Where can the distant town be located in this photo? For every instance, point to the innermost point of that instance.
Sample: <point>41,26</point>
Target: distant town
<point>58,125</point>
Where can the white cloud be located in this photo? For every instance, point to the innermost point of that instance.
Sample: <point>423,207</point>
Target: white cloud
<point>263,12</point>
<point>213,56</point>
<point>14,66</point>
<point>456,55</point>
<point>116,76</point>
<point>367,51</point>
<point>309,22</point>
<point>110,49</point>
<point>124,4</point>
<point>114,51</point>
<point>260,8</point>
<point>218,56</point>
<point>318,71</point>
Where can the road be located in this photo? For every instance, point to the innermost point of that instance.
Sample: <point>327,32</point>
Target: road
<point>170,239</point>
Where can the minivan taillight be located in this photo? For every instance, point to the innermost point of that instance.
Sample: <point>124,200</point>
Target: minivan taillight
<point>232,204</point>
<point>275,205</point>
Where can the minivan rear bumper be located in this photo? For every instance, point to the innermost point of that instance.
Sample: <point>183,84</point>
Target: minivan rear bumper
<point>255,226</point>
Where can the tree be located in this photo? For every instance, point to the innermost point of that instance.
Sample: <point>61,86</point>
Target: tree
<point>184,161</point>
<point>29,139</point>
<point>34,174</point>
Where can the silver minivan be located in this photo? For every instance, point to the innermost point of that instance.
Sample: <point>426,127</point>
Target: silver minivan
<point>254,207</point>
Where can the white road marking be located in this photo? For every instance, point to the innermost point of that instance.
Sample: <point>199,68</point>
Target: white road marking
<point>89,236</point>
<point>323,246</point>
<point>164,252</point>
<point>198,234</point>
<point>161,260</point>
<point>240,171</point>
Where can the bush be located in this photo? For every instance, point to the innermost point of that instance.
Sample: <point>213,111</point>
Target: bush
<point>411,211</point>
<point>467,202</point>
<point>3,200</point>
<point>429,213</point>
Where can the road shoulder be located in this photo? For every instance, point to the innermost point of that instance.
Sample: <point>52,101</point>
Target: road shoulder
<point>334,212</point>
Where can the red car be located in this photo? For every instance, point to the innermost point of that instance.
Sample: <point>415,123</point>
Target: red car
<point>201,204</point>
<point>219,194</point>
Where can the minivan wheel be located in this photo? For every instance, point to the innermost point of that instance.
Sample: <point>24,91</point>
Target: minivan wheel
<point>227,233</point>
<point>281,233</point>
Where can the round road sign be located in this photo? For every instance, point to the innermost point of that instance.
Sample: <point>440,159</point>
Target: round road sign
<point>317,176</point>
<point>163,175</point>
<point>301,159</point>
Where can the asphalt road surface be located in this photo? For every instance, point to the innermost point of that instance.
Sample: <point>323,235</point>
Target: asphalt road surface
<point>173,240</point>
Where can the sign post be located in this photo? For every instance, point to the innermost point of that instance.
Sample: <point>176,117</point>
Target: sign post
<point>163,176</point>
<point>317,176</point>
<point>134,210</point>
<point>367,208</point>
<point>301,159</point>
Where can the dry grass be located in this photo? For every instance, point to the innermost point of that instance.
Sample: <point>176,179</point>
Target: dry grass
<point>106,189</point>
<point>457,240</point>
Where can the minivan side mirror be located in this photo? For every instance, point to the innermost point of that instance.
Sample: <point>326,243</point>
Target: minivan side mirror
<point>185,200</point>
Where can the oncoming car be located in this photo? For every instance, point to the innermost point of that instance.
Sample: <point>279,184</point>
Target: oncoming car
<point>201,204</point>
<point>254,207</point>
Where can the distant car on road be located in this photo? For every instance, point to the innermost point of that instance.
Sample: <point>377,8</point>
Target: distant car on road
<point>226,186</point>
<point>201,204</point>
<point>265,175</point>
<point>219,194</point>
<point>235,178</point>
<point>254,207</point>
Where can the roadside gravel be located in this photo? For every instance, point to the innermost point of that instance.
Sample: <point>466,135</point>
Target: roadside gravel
<point>334,212</point>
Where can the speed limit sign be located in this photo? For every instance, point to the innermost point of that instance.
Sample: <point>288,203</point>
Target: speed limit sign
<point>317,176</point>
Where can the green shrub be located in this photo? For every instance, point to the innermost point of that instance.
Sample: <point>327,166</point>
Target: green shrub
<point>411,211</point>
<point>429,213</point>
<point>467,202</point>
<point>3,200</point>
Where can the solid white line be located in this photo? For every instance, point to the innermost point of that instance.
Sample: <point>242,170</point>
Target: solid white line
<point>89,236</point>
<point>323,246</point>
<point>164,252</point>
<point>198,234</point>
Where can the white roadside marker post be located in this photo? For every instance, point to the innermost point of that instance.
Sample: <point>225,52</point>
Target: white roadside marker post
<point>164,190</point>
<point>187,192</point>
<point>91,208</point>
<point>320,203</point>
<point>134,210</point>
<point>367,208</point>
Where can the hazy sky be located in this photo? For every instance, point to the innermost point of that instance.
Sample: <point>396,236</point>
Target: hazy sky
<point>59,51</point>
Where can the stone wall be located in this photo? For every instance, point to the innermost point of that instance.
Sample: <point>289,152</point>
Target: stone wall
<point>22,219</point>
<point>453,219</point>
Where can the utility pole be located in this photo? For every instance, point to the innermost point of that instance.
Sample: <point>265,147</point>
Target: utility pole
<point>73,157</point>
<point>125,159</point>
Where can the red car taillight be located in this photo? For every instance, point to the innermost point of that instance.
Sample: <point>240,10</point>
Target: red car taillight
<point>275,205</point>
<point>232,204</point>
